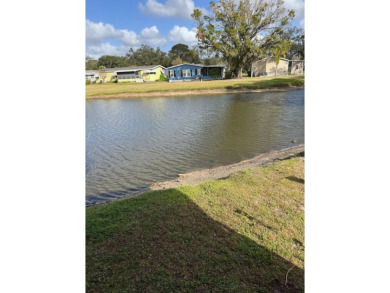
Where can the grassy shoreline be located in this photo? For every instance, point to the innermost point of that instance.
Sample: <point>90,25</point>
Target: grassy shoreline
<point>241,234</point>
<point>128,90</point>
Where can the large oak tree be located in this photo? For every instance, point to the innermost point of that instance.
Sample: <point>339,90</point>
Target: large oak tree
<point>242,32</point>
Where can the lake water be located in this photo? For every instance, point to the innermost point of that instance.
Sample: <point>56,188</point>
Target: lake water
<point>133,143</point>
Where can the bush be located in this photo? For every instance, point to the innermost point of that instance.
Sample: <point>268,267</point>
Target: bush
<point>228,75</point>
<point>163,77</point>
<point>215,72</point>
<point>87,81</point>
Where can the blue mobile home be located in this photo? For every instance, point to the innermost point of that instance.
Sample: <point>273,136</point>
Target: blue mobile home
<point>191,72</point>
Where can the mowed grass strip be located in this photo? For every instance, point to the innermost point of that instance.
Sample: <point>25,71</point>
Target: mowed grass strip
<point>148,87</point>
<point>240,234</point>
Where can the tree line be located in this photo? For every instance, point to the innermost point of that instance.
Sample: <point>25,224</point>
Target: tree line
<point>146,55</point>
<point>235,34</point>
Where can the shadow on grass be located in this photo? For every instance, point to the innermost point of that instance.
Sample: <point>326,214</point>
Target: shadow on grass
<point>295,179</point>
<point>250,218</point>
<point>163,242</point>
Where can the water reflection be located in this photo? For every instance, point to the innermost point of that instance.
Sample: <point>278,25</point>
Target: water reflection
<point>133,143</point>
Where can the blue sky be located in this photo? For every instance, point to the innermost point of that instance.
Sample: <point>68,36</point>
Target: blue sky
<point>112,28</point>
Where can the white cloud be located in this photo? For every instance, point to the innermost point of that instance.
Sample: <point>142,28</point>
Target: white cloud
<point>99,34</point>
<point>152,37</point>
<point>171,8</point>
<point>181,34</point>
<point>129,38</point>
<point>96,51</point>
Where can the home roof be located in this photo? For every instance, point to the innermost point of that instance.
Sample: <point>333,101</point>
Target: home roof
<point>132,68</point>
<point>218,65</point>
<point>271,57</point>
<point>200,65</point>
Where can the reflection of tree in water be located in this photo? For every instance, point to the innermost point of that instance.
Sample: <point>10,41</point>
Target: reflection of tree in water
<point>170,245</point>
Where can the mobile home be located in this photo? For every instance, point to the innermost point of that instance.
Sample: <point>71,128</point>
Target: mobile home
<point>192,72</point>
<point>268,67</point>
<point>91,75</point>
<point>130,74</point>
<point>297,67</point>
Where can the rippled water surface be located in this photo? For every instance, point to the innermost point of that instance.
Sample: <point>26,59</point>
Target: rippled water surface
<point>133,143</point>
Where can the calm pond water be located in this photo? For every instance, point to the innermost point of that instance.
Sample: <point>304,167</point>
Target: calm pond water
<point>133,143</point>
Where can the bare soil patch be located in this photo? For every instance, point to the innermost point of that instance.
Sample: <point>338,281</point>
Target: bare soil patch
<point>222,172</point>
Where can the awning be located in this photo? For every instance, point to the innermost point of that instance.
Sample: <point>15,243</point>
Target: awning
<point>125,71</point>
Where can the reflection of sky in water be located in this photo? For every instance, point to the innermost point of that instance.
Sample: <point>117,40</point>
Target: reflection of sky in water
<point>133,143</point>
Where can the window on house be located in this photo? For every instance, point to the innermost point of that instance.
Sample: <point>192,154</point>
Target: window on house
<point>186,72</point>
<point>171,73</point>
<point>296,66</point>
<point>198,71</point>
<point>130,75</point>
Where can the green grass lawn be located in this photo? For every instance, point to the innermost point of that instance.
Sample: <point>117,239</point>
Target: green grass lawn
<point>244,83</point>
<point>240,234</point>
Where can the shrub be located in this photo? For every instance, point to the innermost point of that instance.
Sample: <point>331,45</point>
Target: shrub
<point>228,75</point>
<point>215,72</point>
<point>163,77</point>
<point>87,81</point>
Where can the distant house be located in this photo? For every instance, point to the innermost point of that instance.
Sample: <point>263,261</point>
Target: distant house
<point>267,67</point>
<point>297,67</point>
<point>130,74</point>
<point>92,75</point>
<point>105,75</point>
<point>191,72</point>
<point>140,73</point>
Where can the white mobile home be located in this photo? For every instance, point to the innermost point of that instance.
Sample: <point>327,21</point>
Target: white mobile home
<point>268,67</point>
<point>297,67</point>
